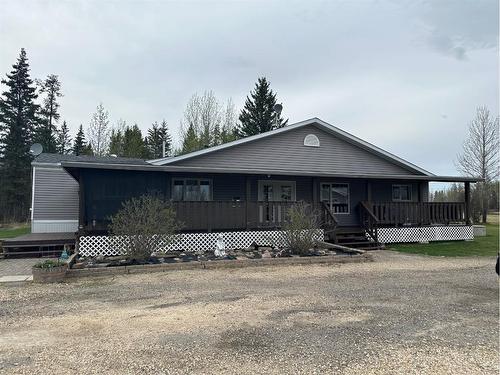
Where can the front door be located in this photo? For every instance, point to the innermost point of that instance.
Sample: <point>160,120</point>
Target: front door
<point>336,195</point>
<point>271,191</point>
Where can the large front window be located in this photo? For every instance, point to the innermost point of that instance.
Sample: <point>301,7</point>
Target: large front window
<point>336,196</point>
<point>191,189</point>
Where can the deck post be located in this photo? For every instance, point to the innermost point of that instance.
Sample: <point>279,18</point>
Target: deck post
<point>81,204</point>
<point>467,202</point>
<point>369,191</point>
<point>315,192</point>
<point>247,200</point>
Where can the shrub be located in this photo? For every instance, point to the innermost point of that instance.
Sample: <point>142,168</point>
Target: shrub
<point>49,263</point>
<point>300,229</point>
<point>146,222</point>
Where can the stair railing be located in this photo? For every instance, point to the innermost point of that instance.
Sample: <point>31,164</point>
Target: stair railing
<point>330,223</point>
<point>368,221</point>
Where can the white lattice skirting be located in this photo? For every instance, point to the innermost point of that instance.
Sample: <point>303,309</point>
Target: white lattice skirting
<point>90,246</point>
<point>425,234</point>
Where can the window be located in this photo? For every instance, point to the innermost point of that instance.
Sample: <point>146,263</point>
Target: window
<point>401,192</point>
<point>311,140</point>
<point>337,197</point>
<point>191,189</point>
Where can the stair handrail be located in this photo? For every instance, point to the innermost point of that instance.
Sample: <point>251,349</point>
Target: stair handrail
<point>369,220</point>
<point>329,215</point>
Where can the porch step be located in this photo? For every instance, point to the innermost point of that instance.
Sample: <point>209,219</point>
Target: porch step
<point>354,237</point>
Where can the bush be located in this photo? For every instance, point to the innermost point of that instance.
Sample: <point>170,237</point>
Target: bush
<point>49,263</point>
<point>146,221</point>
<point>300,229</point>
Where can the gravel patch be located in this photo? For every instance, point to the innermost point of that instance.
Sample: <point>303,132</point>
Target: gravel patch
<point>402,314</point>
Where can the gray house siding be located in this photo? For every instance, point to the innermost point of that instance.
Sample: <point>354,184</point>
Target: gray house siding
<point>55,201</point>
<point>286,152</point>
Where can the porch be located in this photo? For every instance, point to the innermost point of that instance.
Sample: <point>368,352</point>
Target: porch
<point>239,215</point>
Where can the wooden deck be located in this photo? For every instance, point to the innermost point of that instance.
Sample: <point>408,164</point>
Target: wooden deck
<point>38,244</point>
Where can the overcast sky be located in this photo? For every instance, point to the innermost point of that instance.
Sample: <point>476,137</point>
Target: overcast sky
<point>404,75</point>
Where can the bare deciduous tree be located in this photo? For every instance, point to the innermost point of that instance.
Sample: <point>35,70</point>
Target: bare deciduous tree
<point>479,157</point>
<point>98,133</point>
<point>207,122</point>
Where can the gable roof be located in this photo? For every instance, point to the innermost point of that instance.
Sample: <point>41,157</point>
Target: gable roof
<point>314,121</point>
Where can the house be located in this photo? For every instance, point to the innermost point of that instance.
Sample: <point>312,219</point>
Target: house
<point>360,190</point>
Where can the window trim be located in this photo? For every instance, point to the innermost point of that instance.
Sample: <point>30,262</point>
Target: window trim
<point>260,184</point>
<point>330,199</point>
<point>184,179</point>
<point>410,193</point>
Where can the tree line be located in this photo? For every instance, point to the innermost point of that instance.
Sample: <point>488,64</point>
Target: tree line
<point>30,113</point>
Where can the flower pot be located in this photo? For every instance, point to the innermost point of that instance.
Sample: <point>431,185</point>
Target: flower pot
<point>49,275</point>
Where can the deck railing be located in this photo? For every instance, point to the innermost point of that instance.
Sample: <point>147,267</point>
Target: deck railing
<point>218,215</point>
<point>418,213</point>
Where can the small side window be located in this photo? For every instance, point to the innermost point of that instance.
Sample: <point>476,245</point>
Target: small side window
<point>401,193</point>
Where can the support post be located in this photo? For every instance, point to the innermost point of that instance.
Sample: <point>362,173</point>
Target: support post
<point>369,191</point>
<point>81,205</point>
<point>467,202</point>
<point>315,192</point>
<point>247,201</point>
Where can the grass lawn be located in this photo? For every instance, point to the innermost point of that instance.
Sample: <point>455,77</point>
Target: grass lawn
<point>14,231</point>
<point>483,246</point>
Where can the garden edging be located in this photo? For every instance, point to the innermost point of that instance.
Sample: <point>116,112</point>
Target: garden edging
<point>240,263</point>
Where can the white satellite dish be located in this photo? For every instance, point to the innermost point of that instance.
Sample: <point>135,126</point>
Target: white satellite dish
<point>36,149</point>
<point>278,108</point>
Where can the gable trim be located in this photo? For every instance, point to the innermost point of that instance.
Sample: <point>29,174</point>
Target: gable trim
<point>315,122</point>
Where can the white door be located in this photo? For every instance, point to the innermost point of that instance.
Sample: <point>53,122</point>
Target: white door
<point>274,191</point>
<point>337,197</point>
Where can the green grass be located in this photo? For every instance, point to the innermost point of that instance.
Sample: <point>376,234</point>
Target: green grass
<point>481,246</point>
<point>14,231</point>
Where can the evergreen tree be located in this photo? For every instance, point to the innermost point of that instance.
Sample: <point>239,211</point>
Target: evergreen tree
<point>46,132</point>
<point>190,141</point>
<point>258,115</point>
<point>18,118</point>
<point>63,139</point>
<point>116,138</point>
<point>80,146</point>
<point>158,134</point>
<point>133,143</point>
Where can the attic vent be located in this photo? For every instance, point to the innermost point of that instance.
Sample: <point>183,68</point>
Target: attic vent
<point>311,140</point>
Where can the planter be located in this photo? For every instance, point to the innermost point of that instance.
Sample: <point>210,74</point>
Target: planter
<point>49,275</point>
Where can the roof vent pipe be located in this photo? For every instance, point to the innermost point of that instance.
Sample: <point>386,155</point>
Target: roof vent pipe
<point>163,149</point>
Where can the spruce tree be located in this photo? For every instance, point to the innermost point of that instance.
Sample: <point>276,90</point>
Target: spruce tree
<point>258,115</point>
<point>157,134</point>
<point>63,139</point>
<point>46,132</point>
<point>190,141</point>
<point>80,146</point>
<point>133,143</point>
<point>18,118</point>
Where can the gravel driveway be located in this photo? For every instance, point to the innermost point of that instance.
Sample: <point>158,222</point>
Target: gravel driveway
<point>403,314</point>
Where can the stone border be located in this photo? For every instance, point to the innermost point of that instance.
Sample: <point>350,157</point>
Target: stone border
<point>218,264</point>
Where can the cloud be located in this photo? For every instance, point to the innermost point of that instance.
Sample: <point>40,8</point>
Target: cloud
<point>454,28</point>
<point>375,69</point>
<point>444,44</point>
